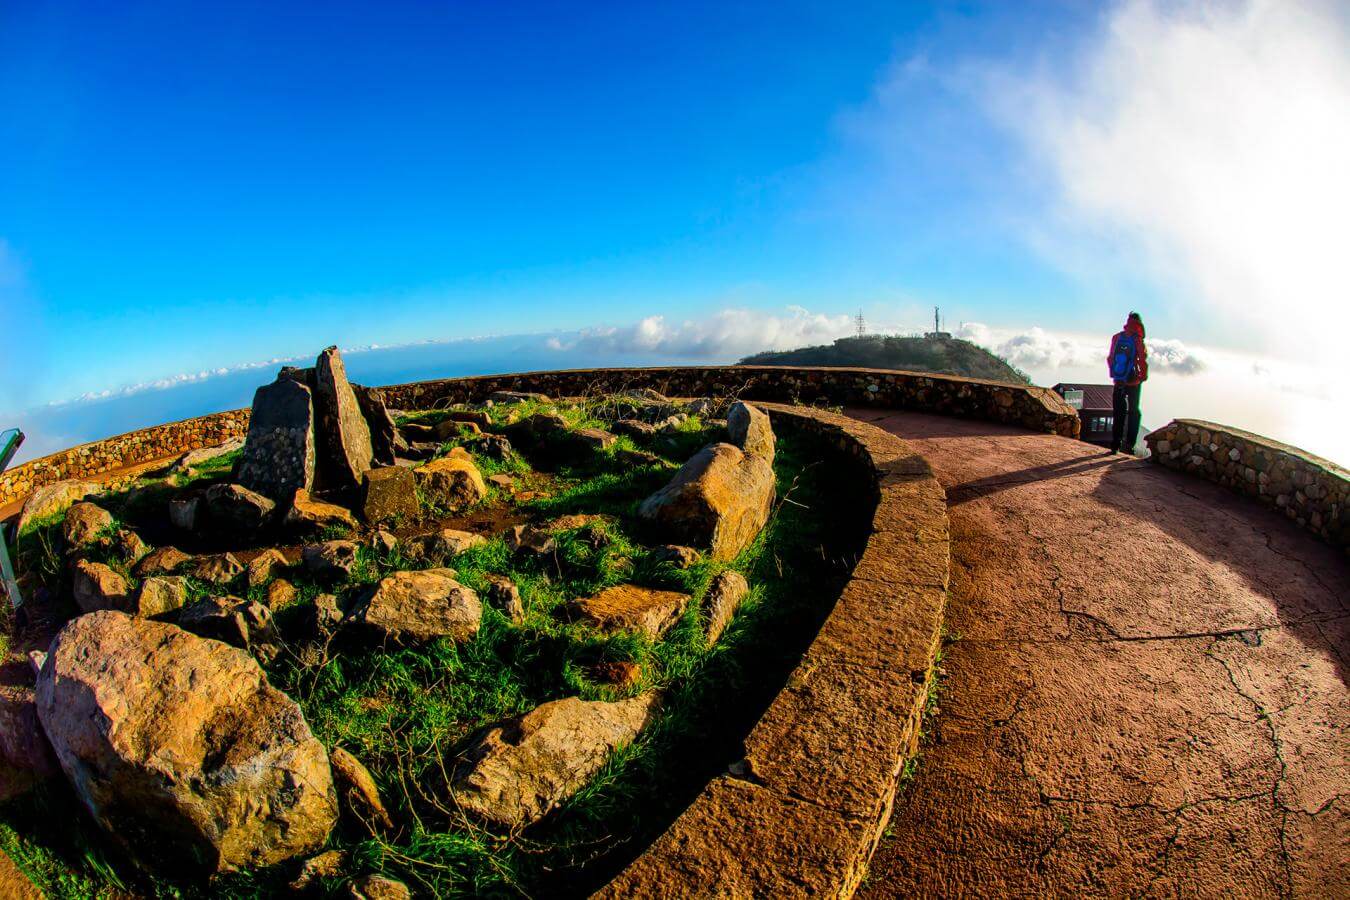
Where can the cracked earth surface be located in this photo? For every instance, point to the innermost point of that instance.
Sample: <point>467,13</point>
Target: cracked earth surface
<point>1148,695</point>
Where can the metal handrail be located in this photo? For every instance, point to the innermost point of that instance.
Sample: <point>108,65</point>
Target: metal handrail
<point>9,444</point>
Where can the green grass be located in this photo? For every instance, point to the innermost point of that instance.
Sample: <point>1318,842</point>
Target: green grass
<point>407,711</point>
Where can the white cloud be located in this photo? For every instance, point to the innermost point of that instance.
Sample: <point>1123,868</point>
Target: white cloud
<point>1045,351</point>
<point>724,335</point>
<point>1210,139</point>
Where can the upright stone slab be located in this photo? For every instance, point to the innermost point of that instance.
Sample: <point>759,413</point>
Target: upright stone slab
<point>386,443</point>
<point>279,453</point>
<point>344,442</point>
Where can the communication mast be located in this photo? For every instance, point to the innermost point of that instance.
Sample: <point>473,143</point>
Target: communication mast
<point>861,324</point>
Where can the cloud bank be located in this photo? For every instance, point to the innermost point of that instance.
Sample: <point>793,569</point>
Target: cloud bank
<point>1208,140</point>
<point>725,335</point>
<point>1044,351</point>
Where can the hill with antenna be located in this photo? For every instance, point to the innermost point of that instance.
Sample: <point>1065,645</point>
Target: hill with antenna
<point>937,352</point>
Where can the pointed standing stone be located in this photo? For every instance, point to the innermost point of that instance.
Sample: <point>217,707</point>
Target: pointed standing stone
<point>345,443</point>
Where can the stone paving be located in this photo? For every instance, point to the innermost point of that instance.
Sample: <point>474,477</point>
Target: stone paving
<point>1148,695</point>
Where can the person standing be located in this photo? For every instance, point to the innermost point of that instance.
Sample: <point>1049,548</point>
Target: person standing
<point>1128,365</point>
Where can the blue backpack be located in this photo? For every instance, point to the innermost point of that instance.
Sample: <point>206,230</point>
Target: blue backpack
<point>1122,358</point>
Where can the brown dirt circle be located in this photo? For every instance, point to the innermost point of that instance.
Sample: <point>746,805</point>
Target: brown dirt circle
<point>1149,692</point>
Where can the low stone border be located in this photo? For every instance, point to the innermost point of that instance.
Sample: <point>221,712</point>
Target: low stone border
<point>809,802</point>
<point>98,457</point>
<point>1312,491</point>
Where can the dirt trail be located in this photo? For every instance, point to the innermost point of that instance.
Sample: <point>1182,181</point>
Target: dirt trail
<point>1149,693</point>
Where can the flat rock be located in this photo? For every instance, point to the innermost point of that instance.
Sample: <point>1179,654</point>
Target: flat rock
<point>160,594</point>
<point>180,748</point>
<point>442,544</point>
<point>344,436</point>
<point>502,481</point>
<point>719,499</point>
<point>280,451</point>
<point>84,525</point>
<point>749,428</point>
<point>473,416</point>
<point>331,560</point>
<point>519,770</point>
<point>724,597</point>
<point>420,606</point>
<point>509,397</point>
<point>529,539</point>
<point>389,494</point>
<point>219,568</point>
<point>193,458</point>
<point>628,607</point>
<point>309,515</point>
<point>594,438</point>
<point>452,482</point>
<point>235,509</point>
<point>52,499</point>
<point>358,787</point>
<point>378,887</point>
<point>573,521</point>
<point>96,586</point>
<point>634,428</point>
<point>160,561</point>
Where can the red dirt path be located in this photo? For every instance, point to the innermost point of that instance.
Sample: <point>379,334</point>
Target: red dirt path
<point>1149,691</point>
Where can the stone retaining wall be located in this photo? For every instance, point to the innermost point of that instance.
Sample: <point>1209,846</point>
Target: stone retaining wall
<point>802,813</point>
<point>1036,408</point>
<point>1312,491</point>
<point>88,461</point>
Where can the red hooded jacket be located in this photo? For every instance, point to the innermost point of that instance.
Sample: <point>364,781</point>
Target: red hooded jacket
<point>1135,327</point>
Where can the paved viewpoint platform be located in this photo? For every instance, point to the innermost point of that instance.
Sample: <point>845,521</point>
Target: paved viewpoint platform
<point>1148,695</point>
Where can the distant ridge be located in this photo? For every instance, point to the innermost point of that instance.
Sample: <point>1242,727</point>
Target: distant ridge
<point>939,354</point>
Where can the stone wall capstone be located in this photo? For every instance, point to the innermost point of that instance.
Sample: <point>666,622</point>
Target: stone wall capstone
<point>1312,491</point>
<point>88,461</point>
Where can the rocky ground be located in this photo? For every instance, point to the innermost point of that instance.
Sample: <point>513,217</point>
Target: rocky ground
<point>459,649</point>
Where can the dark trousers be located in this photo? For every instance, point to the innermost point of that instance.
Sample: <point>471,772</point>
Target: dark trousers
<point>1125,406</point>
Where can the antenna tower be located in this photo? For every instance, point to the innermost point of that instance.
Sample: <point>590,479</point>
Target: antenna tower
<point>861,324</point>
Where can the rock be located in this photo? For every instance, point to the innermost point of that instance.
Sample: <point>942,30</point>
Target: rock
<point>332,560</point>
<point>239,623</point>
<point>235,509</point>
<point>23,744</point>
<point>501,481</point>
<point>719,499</point>
<point>193,458</point>
<point>183,513</point>
<point>221,568</point>
<point>451,429</point>
<point>420,606</point>
<point>280,594</point>
<point>627,607</point>
<point>634,428</point>
<point>700,407</point>
<point>96,586</point>
<point>84,525</point>
<point>308,515</point>
<point>671,423</point>
<point>325,865</point>
<point>416,431</point>
<point>389,494</point>
<point>750,430</point>
<point>383,542</point>
<point>357,785</point>
<point>724,597</point>
<point>280,452</point>
<point>264,566</point>
<point>180,748</point>
<point>517,397</point>
<point>36,660</point>
<point>452,482</point>
<point>622,675</point>
<point>594,438</point>
<point>529,539</point>
<point>473,417</point>
<point>493,446</point>
<point>344,437</point>
<point>378,887</point>
<point>678,556</point>
<point>160,561</point>
<point>386,443</point>
<point>519,770</point>
<point>503,595</point>
<point>638,458</point>
<point>52,499</point>
<point>574,521</point>
<point>160,594</point>
<point>534,430</point>
<point>327,614</point>
<point>130,548</point>
<point>442,544</point>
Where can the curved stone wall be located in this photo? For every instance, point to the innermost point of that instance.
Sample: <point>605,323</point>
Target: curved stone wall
<point>1312,491</point>
<point>94,459</point>
<point>1036,408</point>
<point>802,813</point>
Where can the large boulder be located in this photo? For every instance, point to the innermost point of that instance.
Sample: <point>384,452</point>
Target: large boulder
<point>96,586</point>
<point>452,482</point>
<point>518,770</point>
<point>628,607</point>
<point>386,443</point>
<point>389,493</point>
<point>234,509</point>
<point>420,606</point>
<point>720,499</point>
<point>180,748</point>
<point>280,453</point>
<point>750,430</point>
<point>52,499</point>
<point>345,437</point>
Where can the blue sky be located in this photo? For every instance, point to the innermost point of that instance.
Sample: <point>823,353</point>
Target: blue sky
<point>190,187</point>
